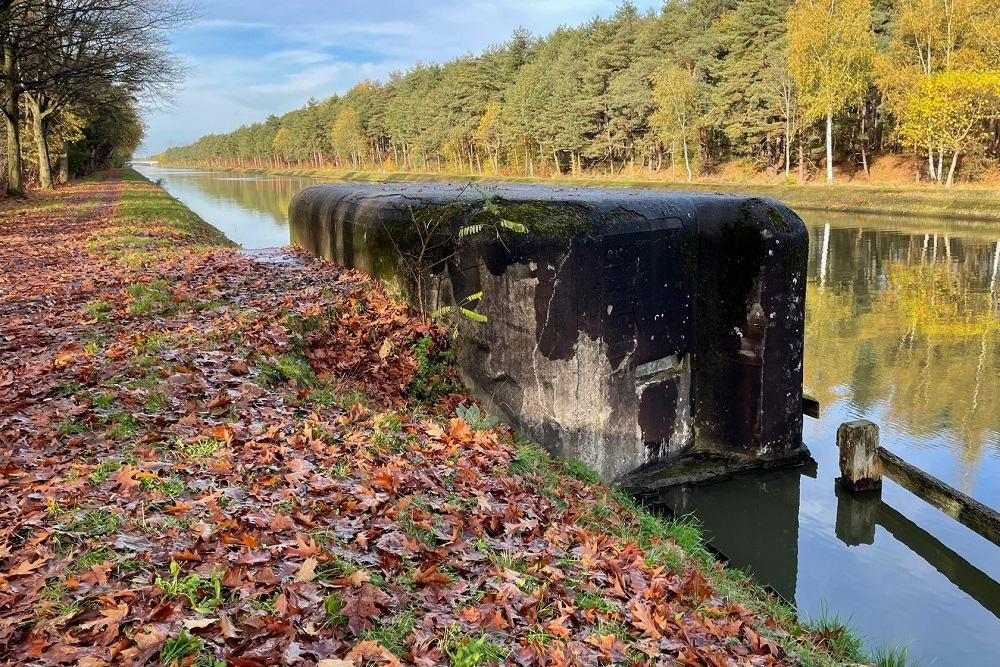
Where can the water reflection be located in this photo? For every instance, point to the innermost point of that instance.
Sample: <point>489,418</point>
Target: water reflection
<point>251,210</point>
<point>903,327</point>
<point>762,536</point>
<point>859,513</point>
<point>907,326</point>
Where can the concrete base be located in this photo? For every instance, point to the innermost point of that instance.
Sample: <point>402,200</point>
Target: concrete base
<point>695,467</point>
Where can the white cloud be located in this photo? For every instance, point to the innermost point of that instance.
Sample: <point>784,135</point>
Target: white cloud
<point>251,59</point>
<point>230,24</point>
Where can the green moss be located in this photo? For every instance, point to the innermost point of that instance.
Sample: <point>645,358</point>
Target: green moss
<point>440,216</point>
<point>540,219</point>
<point>778,220</point>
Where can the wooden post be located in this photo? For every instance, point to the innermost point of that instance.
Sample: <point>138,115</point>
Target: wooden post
<point>856,515</point>
<point>860,467</point>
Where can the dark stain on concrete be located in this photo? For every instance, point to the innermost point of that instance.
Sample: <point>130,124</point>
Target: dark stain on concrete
<point>633,330</point>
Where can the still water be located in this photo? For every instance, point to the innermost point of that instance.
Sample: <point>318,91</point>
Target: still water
<point>903,328</point>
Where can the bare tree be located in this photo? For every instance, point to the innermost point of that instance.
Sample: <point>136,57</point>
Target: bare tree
<point>85,54</point>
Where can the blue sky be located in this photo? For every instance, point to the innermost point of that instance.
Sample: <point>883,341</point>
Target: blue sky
<point>249,58</point>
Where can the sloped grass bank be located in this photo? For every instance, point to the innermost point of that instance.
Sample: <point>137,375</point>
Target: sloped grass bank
<point>208,460</point>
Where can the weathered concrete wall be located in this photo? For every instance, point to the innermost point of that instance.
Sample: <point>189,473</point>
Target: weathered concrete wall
<point>626,329</point>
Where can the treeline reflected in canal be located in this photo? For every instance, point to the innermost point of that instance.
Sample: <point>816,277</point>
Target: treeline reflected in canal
<point>903,328</point>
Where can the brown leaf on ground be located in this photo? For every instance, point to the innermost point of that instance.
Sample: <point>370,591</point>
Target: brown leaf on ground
<point>195,440</point>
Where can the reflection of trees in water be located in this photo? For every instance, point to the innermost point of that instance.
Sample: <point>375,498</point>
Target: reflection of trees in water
<point>270,196</point>
<point>913,321</point>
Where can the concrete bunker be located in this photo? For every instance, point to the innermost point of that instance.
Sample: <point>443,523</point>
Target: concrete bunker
<point>655,336</point>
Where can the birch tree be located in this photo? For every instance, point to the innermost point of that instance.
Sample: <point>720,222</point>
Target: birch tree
<point>831,51</point>
<point>934,37</point>
<point>678,115</point>
<point>952,110</point>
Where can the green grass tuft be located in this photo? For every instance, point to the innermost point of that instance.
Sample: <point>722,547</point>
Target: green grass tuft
<point>892,656</point>
<point>393,636</point>
<point>465,650</point>
<point>94,523</point>
<point>184,645</point>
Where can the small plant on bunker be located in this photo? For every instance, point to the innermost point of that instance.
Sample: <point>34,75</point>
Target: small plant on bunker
<point>434,375</point>
<point>427,256</point>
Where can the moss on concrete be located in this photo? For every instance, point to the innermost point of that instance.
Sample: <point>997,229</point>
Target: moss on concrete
<point>546,219</point>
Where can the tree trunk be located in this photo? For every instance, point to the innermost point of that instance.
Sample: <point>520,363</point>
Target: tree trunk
<point>788,147</point>
<point>802,156</point>
<point>15,170</point>
<point>829,146</point>
<point>11,113</point>
<point>64,163</point>
<point>687,162</point>
<point>42,145</point>
<point>951,171</point>
<point>864,154</point>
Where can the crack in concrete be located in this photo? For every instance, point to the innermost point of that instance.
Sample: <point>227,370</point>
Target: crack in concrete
<point>538,338</point>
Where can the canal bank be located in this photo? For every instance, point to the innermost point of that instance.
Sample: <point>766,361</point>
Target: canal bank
<point>967,207</point>
<point>211,457</point>
<point>901,330</point>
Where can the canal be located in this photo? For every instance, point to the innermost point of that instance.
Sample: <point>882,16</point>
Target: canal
<point>903,328</point>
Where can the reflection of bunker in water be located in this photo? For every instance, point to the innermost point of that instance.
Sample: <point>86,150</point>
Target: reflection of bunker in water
<point>752,520</point>
<point>637,331</point>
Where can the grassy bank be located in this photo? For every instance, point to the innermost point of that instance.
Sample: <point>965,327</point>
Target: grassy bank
<point>209,458</point>
<point>972,204</point>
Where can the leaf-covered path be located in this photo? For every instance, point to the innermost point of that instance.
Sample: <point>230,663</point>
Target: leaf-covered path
<point>207,459</point>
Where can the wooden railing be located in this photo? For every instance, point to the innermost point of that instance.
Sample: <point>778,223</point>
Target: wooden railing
<point>863,464</point>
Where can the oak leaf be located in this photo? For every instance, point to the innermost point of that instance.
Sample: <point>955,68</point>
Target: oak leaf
<point>362,607</point>
<point>305,546</point>
<point>125,477</point>
<point>644,618</point>
<point>25,567</point>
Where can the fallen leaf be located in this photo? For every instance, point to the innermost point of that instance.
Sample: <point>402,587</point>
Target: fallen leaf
<point>308,570</point>
<point>25,567</point>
